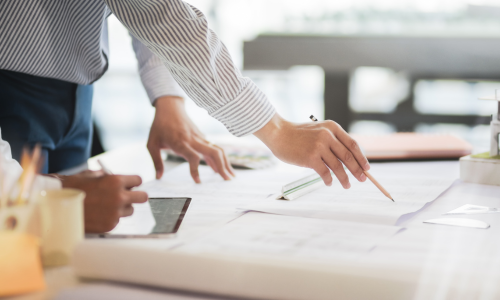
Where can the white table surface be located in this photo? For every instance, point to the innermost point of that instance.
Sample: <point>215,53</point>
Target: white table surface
<point>454,263</point>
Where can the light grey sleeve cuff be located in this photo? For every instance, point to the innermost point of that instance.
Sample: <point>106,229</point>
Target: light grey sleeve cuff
<point>155,77</point>
<point>247,113</point>
<point>159,82</point>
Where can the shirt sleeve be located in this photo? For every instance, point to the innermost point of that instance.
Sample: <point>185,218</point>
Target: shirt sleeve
<point>10,170</point>
<point>9,167</point>
<point>178,34</point>
<point>155,77</point>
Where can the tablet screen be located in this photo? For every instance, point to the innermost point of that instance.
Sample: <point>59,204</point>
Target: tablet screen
<point>168,213</point>
<point>157,217</point>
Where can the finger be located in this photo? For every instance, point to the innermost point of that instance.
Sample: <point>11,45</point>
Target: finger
<point>338,169</point>
<point>194,161</point>
<point>344,155</point>
<point>130,181</point>
<point>211,163</point>
<point>216,155</point>
<point>354,148</point>
<point>323,171</point>
<point>154,151</point>
<point>228,166</point>
<point>135,197</point>
<point>126,211</point>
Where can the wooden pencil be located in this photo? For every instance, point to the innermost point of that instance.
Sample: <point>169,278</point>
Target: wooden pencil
<point>378,185</point>
<point>31,163</point>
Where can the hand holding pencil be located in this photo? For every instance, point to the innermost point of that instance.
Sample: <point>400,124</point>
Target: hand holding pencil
<point>372,179</point>
<point>323,146</point>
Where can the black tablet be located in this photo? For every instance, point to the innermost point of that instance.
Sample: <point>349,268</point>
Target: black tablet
<point>160,217</point>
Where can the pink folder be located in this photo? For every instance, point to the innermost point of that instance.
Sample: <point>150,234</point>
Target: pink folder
<point>412,146</point>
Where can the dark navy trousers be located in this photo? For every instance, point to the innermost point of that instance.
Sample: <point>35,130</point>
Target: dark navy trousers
<point>51,112</point>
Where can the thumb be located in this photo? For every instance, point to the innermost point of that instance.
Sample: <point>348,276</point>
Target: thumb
<point>154,151</point>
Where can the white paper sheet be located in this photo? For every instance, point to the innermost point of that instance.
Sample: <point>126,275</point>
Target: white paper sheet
<point>470,209</point>
<point>247,183</point>
<point>216,201</point>
<point>363,202</point>
<point>459,222</point>
<point>291,237</point>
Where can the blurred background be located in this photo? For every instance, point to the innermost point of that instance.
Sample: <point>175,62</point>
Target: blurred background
<point>123,114</point>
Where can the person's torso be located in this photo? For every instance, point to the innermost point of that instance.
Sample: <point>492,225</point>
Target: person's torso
<point>59,39</point>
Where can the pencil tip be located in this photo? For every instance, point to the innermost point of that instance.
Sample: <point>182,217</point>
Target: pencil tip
<point>393,200</point>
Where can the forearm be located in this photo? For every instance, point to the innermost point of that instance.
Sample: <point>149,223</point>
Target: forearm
<point>269,132</point>
<point>171,111</point>
<point>170,107</point>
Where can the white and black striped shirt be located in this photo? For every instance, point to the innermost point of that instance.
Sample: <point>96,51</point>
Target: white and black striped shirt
<point>67,40</point>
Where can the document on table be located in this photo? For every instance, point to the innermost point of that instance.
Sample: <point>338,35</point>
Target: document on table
<point>278,236</point>
<point>215,201</point>
<point>363,202</point>
<point>247,184</point>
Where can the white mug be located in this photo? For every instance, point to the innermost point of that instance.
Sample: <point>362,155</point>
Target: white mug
<point>62,224</point>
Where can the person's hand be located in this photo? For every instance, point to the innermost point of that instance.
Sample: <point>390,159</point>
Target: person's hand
<point>172,129</point>
<point>322,146</point>
<point>108,198</point>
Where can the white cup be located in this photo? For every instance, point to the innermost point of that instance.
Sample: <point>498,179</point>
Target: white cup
<point>62,224</point>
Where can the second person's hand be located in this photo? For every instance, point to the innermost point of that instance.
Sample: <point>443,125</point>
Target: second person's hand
<point>108,197</point>
<point>321,146</point>
<point>173,129</point>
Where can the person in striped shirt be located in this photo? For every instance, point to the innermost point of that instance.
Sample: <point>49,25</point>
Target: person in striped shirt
<point>66,41</point>
<point>50,54</point>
